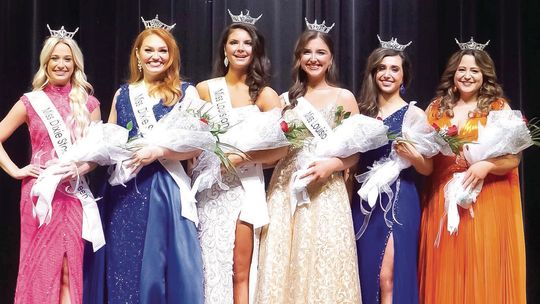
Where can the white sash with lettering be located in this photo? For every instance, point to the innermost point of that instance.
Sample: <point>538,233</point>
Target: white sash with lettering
<point>219,94</point>
<point>142,109</point>
<point>319,128</point>
<point>92,230</point>
<point>312,118</point>
<point>254,210</point>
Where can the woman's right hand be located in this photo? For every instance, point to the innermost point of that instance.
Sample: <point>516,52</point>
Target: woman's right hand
<point>29,171</point>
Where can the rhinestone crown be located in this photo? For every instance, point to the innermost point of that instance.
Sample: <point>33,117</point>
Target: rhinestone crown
<point>319,27</point>
<point>62,33</point>
<point>244,18</point>
<point>156,23</point>
<point>392,44</point>
<point>471,45</point>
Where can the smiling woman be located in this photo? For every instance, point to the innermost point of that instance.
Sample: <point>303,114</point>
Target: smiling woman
<point>60,67</point>
<point>307,249</point>
<point>152,253</point>
<point>231,218</point>
<point>489,246</point>
<point>50,268</point>
<point>387,232</point>
<point>152,57</point>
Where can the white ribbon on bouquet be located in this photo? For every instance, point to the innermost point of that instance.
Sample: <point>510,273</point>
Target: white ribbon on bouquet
<point>89,148</point>
<point>384,172</point>
<point>177,131</point>
<point>505,133</point>
<point>319,128</point>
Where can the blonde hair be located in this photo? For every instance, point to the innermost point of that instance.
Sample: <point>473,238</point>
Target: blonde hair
<point>80,87</point>
<point>168,86</point>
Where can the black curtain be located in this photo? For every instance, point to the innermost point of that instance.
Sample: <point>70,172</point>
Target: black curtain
<point>107,30</point>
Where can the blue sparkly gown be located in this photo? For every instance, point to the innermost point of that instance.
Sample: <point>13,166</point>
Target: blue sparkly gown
<point>372,244</point>
<point>152,253</point>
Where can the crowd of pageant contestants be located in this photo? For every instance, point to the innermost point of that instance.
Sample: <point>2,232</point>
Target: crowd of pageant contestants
<point>240,249</point>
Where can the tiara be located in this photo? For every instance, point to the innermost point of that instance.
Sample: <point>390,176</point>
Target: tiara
<point>62,33</point>
<point>471,45</point>
<point>244,18</point>
<point>156,23</point>
<point>392,44</point>
<point>319,27</point>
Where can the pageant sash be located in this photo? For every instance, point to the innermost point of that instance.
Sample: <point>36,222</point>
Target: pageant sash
<point>312,118</point>
<point>92,230</point>
<point>142,109</point>
<point>320,129</point>
<point>251,176</point>
<point>219,93</point>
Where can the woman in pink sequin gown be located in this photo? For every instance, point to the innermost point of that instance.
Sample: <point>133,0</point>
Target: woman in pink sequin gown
<point>50,263</point>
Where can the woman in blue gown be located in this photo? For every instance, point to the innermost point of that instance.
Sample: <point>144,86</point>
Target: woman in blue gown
<point>387,241</point>
<point>153,252</point>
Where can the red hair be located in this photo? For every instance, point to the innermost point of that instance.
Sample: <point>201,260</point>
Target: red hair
<point>168,84</point>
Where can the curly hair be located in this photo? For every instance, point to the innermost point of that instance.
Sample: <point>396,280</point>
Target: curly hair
<point>369,92</point>
<point>258,75</point>
<point>490,91</point>
<point>168,86</point>
<point>299,76</point>
<point>80,87</point>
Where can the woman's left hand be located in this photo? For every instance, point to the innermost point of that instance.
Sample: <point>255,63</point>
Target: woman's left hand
<point>145,156</point>
<point>476,173</point>
<point>320,171</point>
<point>73,170</point>
<point>407,151</point>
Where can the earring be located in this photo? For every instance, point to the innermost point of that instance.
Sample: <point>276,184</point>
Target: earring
<point>402,89</point>
<point>139,66</point>
<point>226,61</point>
<point>454,89</point>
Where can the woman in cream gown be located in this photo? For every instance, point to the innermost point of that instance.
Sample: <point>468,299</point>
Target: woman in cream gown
<point>309,256</point>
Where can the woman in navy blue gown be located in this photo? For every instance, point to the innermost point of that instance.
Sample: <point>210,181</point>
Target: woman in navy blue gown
<point>152,253</point>
<point>387,241</point>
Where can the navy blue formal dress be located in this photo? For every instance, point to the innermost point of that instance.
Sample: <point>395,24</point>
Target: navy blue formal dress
<point>152,254</point>
<point>402,222</point>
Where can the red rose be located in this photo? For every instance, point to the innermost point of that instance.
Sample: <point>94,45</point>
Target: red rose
<point>284,126</point>
<point>452,131</point>
<point>204,120</point>
<point>526,120</point>
<point>436,127</point>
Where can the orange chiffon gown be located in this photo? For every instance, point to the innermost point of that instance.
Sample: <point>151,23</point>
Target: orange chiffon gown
<point>485,261</point>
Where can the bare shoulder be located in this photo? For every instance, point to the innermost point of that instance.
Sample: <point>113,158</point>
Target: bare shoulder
<point>268,99</point>
<point>202,89</point>
<point>19,109</point>
<point>116,94</point>
<point>348,101</point>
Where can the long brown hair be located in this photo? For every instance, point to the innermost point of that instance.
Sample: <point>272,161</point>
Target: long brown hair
<point>168,85</point>
<point>369,92</point>
<point>258,75</point>
<point>299,76</point>
<point>489,91</point>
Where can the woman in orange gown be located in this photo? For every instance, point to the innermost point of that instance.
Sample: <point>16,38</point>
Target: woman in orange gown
<point>485,261</point>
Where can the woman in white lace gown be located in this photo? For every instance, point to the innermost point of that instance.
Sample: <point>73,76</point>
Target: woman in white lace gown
<point>308,255</point>
<point>228,218</point>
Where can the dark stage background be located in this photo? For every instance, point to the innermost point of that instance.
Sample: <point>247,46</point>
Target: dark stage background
<point>107,29</point>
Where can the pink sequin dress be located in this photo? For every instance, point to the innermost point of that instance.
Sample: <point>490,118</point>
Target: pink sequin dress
<point>44,248</point>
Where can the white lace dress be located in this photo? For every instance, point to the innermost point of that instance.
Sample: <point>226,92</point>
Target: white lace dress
<point>218,211</point>
<point>311,256</point>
